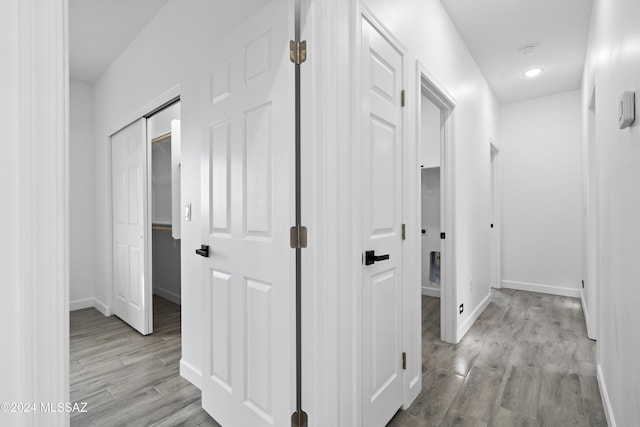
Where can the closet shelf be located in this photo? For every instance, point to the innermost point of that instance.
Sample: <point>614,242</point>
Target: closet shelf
<point>161,227</point>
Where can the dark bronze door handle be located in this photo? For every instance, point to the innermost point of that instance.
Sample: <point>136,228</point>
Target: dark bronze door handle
<point>370,257</point>
<point>203,251</point>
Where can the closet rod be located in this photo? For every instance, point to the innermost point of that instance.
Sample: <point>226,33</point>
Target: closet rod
<point>161,227</point>
<point>161,138</point>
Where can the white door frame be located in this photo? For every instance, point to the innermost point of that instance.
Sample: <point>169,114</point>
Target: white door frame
<point>593,225</point>
<point>496,213</point>
<point>436,93</point>
<point>35,188</point>
<point>162,101</point>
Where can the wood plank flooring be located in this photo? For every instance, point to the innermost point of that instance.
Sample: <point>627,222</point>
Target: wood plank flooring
<point>526,362</point>
<point>128,379</point>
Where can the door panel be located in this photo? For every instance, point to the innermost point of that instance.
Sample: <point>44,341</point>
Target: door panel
<point>382,225</point>
<point>248,182</point>
<point>129,194</point>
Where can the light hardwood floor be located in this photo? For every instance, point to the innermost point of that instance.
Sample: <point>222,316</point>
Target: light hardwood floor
<point>526,362</point>
<point>128,379</point>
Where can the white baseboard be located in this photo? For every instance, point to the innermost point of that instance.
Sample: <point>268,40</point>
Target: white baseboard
<point>191,374</point>
<point>79,304</point>
<point>464,328</point>
<point>102,307</point>
<point>431,291</point>
<point>168,295</point>
<point>543,289</point>
<point>606,402</point>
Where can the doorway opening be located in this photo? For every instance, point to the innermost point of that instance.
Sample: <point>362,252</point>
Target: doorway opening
<point>163,132</point>
<point>430,191</point>
<point>145,173</point>
<point>435,122</point>
<point>495,236</point>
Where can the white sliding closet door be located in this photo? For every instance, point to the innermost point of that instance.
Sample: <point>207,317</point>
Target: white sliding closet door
<point>132,298</point>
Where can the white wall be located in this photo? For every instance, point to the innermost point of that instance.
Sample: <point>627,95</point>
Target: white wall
<point>614,51</point>
<point>82,201</point>
<point>160,123</point>
<point>157,125</point>
<point>541,194</point>
<point>163,61</point>
<point>161,182</point>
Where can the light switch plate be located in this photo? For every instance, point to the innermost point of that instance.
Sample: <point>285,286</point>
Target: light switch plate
<point>627,109</point>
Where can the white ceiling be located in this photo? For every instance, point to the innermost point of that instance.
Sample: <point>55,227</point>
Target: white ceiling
<point>99,30</point>
<point>492,29</point>
<point>495,29</point>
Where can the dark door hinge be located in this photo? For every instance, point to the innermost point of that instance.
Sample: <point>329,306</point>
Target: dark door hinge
<point>298,51</point>
<point>403,100</point>
<point>404,231</point>
<point>298,237</point>
<point>404,360</point>
<point>442,236</point>
<point>299,419</point>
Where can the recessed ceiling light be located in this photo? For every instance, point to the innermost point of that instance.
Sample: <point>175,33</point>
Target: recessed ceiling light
<point>528,49</point>
<point>533,72</point>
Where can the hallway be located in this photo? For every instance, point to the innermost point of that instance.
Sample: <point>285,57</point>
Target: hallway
<point>526,362</point>
<point>128,379</point>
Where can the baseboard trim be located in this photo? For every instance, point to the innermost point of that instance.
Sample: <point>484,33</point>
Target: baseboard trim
<point>171,296</point>
<point>79,304</point>
<point>543,289</point>
<point>464,328</point>
<point>606,402</point>
<point>190,373</point>
<point>430,291</point>
<point>102,307</point>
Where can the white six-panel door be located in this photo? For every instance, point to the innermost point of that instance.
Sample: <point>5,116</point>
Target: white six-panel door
<point>129,195</point>
<point>382,226</point>
<point>248,204</point>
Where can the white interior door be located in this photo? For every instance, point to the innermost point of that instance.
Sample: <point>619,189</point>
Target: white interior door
<point>132,298</point>
<point>248,207</point>
<point>382,227</point>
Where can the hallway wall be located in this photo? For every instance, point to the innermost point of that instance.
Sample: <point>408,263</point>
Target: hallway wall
<point>541,194</point>
<point>613,61</point>
<point>82,200</point>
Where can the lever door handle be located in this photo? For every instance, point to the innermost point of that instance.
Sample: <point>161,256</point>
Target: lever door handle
<point>370,257</point>
<point>203,251</point>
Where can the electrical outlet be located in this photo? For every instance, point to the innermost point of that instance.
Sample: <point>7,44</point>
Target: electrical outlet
<point>470,284</point>
<point>461,308</point>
